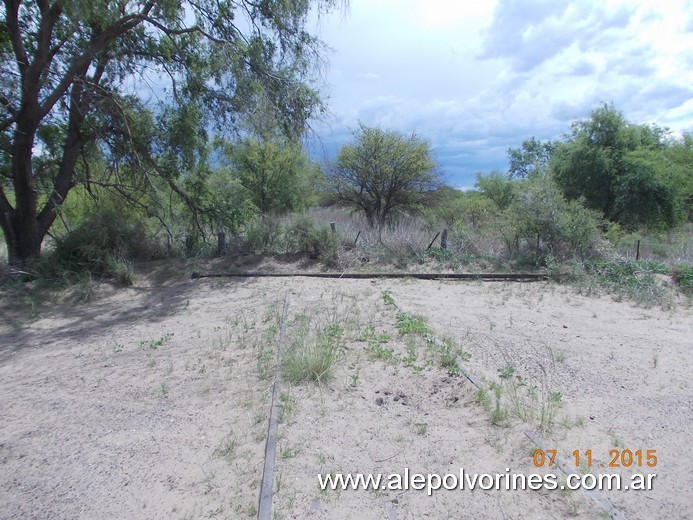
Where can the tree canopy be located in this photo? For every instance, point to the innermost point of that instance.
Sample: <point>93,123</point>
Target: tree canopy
<point>76,78</point>
<point>623,170</point>
<point>384,172</point>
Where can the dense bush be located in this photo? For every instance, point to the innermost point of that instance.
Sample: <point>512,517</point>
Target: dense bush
<point>270,234</point>
<point>105,244</point>
<point>547,226</point>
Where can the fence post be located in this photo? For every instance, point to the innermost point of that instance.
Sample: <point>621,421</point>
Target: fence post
<point>333,227</point>
<point>221,243</point>
<point>444,239</point>
<point>637,251</point>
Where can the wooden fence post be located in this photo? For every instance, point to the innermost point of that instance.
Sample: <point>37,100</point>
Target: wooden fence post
<point>444,239</point>
<point>637,251</point>
<point>221,243</point>
<point>333,227</point>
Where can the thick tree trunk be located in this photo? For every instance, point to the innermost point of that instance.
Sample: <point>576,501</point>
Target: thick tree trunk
<point>23,241</point>
<point>20,225</point>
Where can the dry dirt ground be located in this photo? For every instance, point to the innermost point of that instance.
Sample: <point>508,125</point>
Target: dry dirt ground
<point>152,401</point>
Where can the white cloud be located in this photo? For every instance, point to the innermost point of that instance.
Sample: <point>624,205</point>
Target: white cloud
<point>478,77</point>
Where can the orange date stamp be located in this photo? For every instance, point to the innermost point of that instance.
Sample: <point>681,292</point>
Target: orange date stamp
<point>618,458</point>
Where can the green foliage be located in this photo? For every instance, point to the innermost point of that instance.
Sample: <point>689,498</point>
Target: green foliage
<point>80,100</point>
<point>375,344</point>
<point>268,234</point>
<point>277,174</point>
<point>621,170</point>
<point>388,299</point>
<point>531,159</point>
<point>683,276</point>
<point>384,173</point>
<point>543,224</point>
<point>628,278</point>
<point>228,203</point>
<point>408,324</point>
<point>104,244</point>
<point>497,187</point>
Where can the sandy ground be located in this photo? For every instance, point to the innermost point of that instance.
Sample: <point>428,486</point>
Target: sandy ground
<point>152,401</point>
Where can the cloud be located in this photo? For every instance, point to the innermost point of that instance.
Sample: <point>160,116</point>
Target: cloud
<point>507,72</point>
<point>367,75</point>
<point>529,34</point>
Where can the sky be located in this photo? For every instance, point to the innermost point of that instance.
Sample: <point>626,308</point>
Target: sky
<point>478,77</point>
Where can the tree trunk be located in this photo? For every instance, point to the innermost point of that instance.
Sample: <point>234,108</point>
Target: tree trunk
<point>23,241</point>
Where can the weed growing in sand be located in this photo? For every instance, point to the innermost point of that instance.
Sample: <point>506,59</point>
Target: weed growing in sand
<point>289,453</point>
<point>227,449</point>
<point>449,353</point>
<point>388,299</point>
<point>375,344</point>
<point>506,372</point>
<point>408,324</point>
<point>311,357</point>
<point>156,343</point>
<point>481,397</point>
<point>499,414</point>
<point>287,407</point>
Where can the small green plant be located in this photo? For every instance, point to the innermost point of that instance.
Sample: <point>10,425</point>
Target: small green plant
<point>481,396</point>
<point>388,299</point>
<point>287,407</point>
<point>156,343</point>
<point>450,353</point>
<point>499,414</point>
<point>227,449</point>
<point>560,357</point>
<point>355,380</point>
<point>375,344</point>
<point>408,324</point>
<point>439,254</point>
<point>421,429</point>
<point>289,453</point>
<point>506,372</point>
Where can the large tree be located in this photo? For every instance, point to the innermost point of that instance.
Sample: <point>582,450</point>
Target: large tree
<point>72,86</point>
<point>384,172</point>
<point>621,169</point>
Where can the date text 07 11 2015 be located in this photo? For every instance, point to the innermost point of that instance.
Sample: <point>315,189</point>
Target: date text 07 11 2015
<point>617,458</point>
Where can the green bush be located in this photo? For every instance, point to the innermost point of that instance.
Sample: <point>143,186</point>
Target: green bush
<point>683,276</point>
<point>105,244</point>
<point>264,234</point>
<point>541,224</point>
<point>297,235</point>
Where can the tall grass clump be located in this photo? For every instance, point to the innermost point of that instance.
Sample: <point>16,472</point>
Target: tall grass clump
<point>311,357</point>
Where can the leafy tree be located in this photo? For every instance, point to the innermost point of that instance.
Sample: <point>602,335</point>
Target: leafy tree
<point>384,172</point>
<point>620,169</point>
<point>497,187</point>
<point>276,173</point>
<point>532,158</point>
<point>71,79</point>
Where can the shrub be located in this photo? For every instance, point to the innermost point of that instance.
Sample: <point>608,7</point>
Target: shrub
<point>541,224</point>
<point>683,276</point>
<point>105,244</point>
